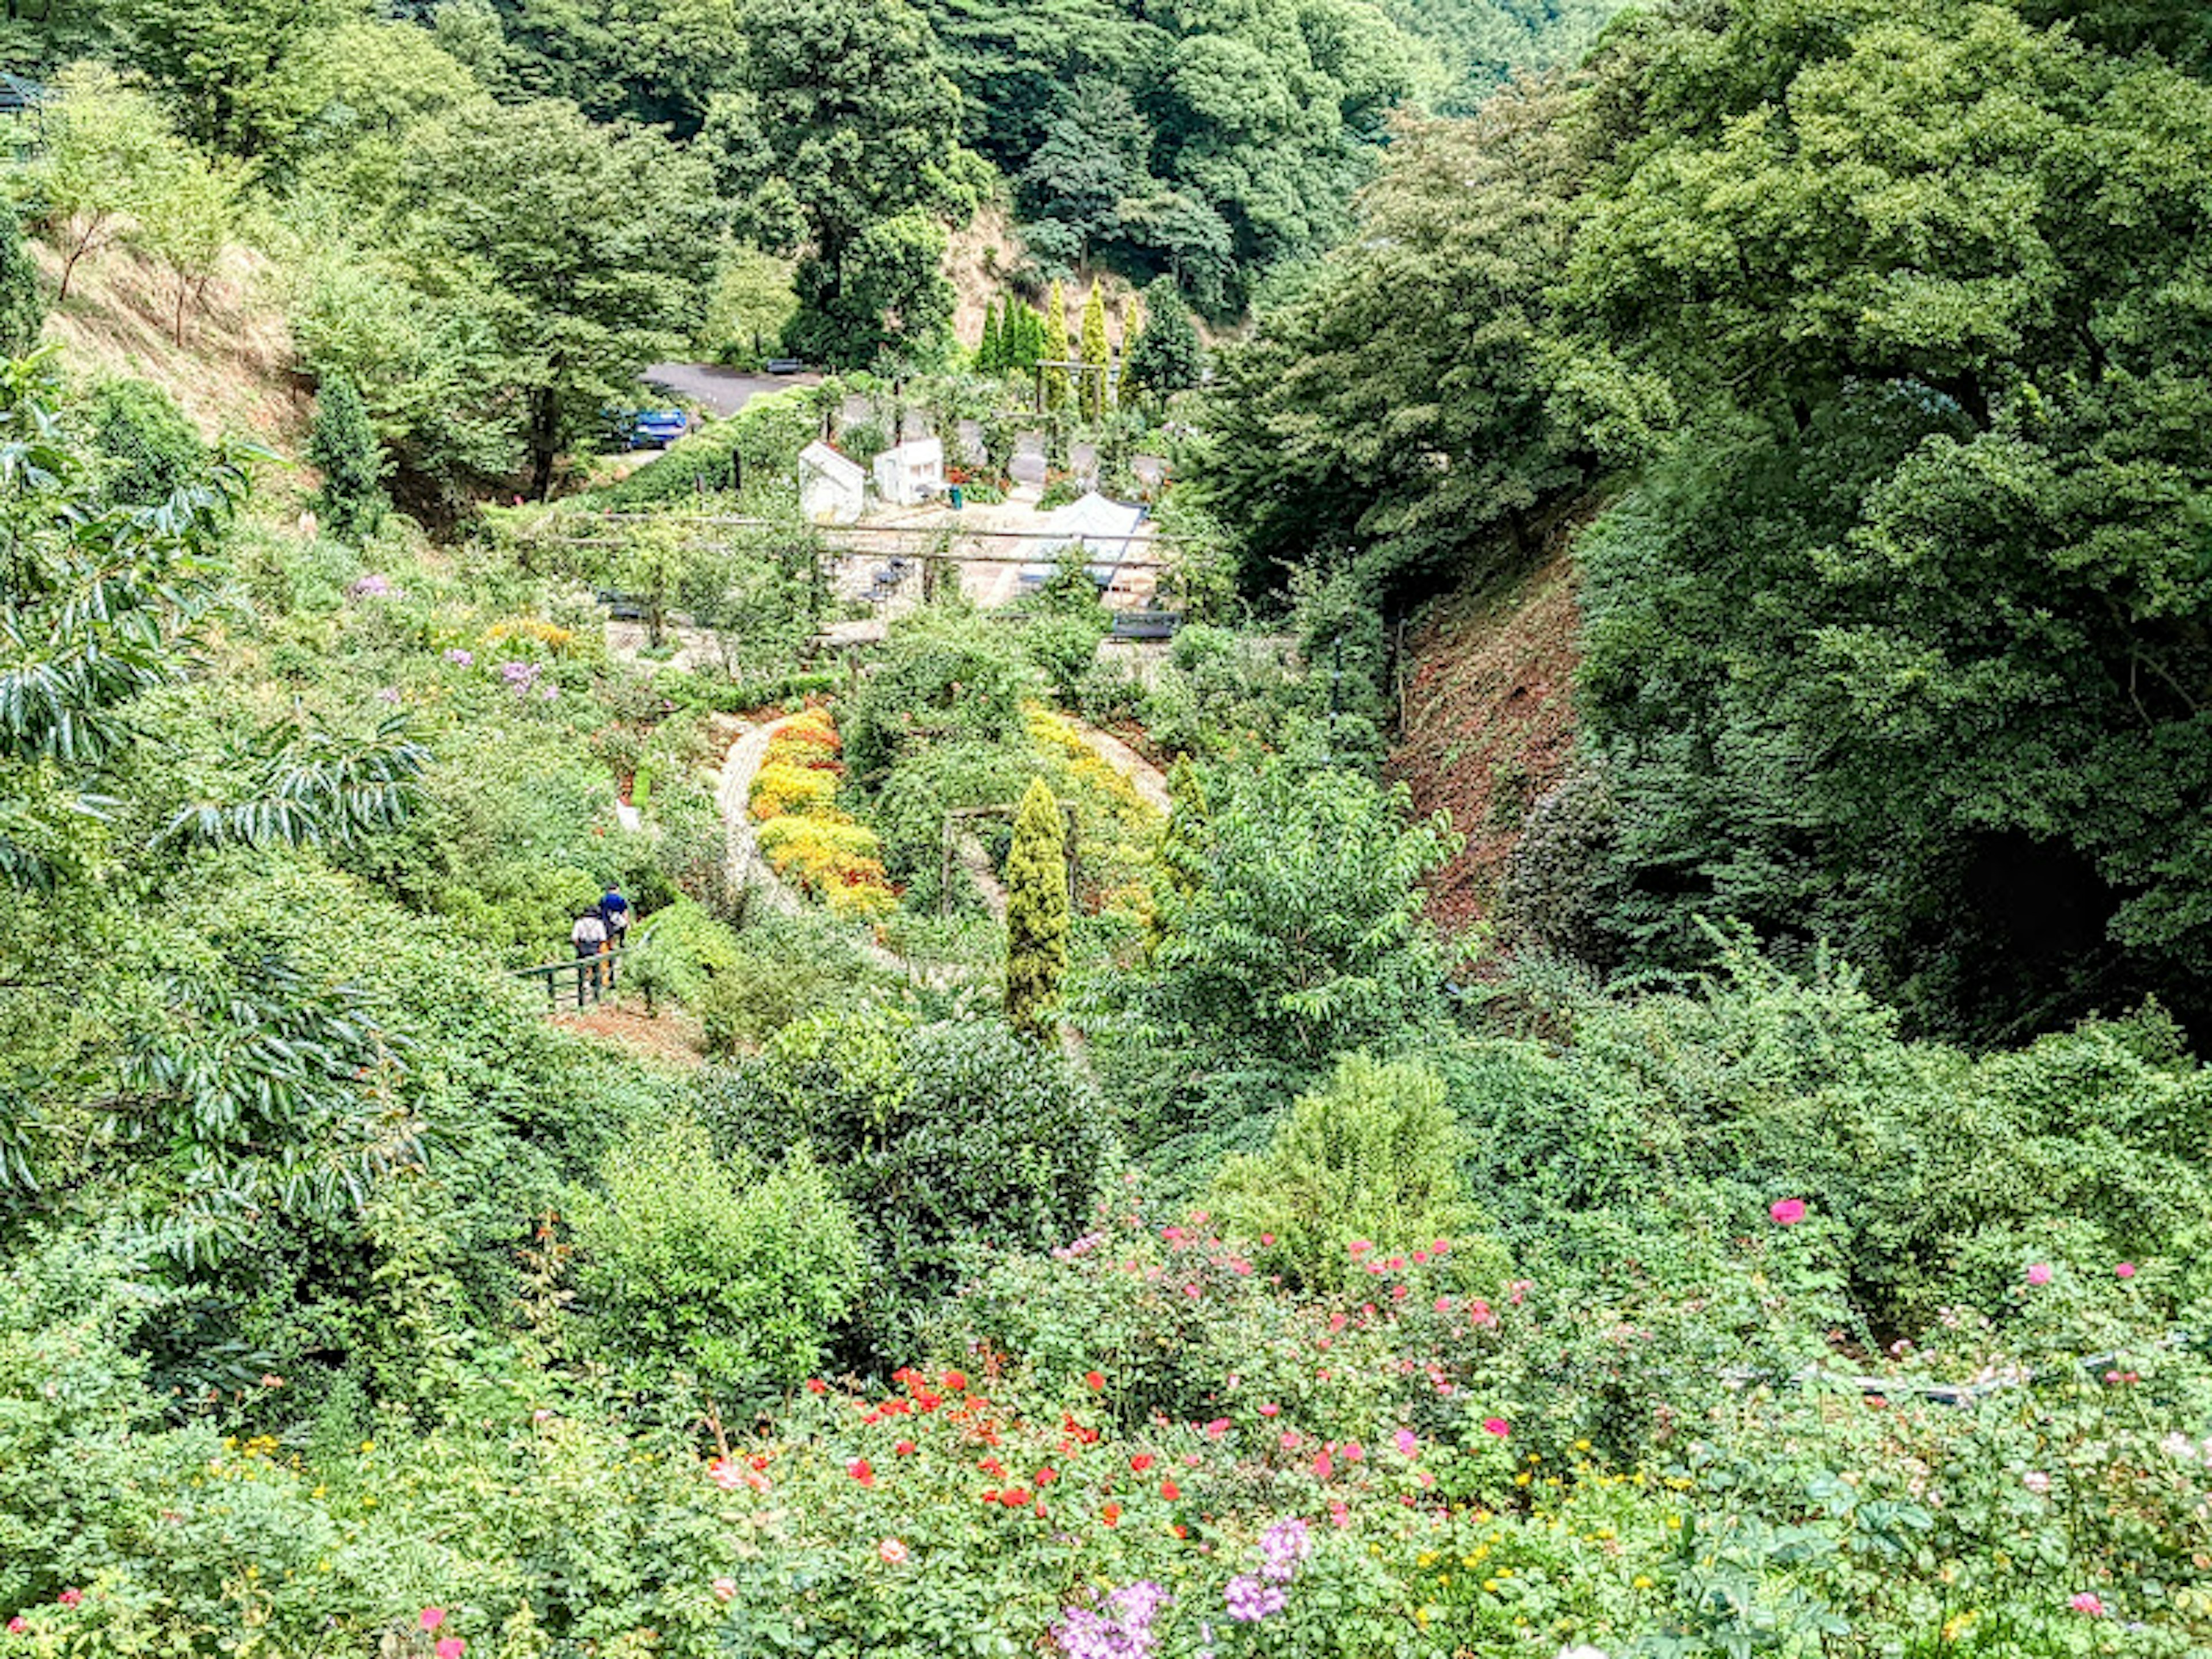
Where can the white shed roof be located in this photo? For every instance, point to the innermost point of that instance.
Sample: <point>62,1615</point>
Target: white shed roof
<point>844,468</point>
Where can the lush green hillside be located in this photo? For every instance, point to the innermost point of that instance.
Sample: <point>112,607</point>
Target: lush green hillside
<point>1595,1059</point>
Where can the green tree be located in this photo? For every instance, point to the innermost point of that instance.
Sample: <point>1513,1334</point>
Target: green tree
<point>146,449</point>
<point>350,456</point>
<point>106,144</point>
<point>187,218</point>
<point>1307,937</point>
<point>1166,357</point>
<point>1407,411</point>
<point>733,1272</point>
<point>864,127</point>
<point>990,350</point>
<point>1096,354</point>
<point>230,62</point>
<point>1054,348</point>
<point>1375,1155</point>
<point>1036,912</point>
<point>590,249</point>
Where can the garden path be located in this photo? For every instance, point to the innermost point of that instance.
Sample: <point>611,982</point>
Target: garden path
<point>1147,778</point>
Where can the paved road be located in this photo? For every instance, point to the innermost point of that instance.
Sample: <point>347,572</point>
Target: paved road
<point>723,391</point>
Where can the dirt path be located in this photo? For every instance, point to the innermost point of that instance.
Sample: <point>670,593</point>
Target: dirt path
<point>975,860</point>
<point>1147,778</point>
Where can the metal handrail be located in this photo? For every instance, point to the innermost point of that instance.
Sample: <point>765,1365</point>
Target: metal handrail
<point>595,976</point>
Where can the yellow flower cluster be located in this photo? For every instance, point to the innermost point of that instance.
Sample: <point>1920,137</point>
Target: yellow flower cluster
<point>803,834</point>
<point>554,639</point>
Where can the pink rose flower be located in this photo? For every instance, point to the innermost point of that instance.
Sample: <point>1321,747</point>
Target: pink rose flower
<point>18,1624</point>
<point>725,1588</point>
<point>431,1617</point>
<point>1787,1211</point>
<point>892,1551</point>
<point>2040,1274</point>
<point>1406,1442</point>
<point>1497,1426</point>
<point>1323,1468</point>
<point>451,1647</point>
<point>70,1597</point>
<point>2125,1270</point>
<point>2088,1603</point>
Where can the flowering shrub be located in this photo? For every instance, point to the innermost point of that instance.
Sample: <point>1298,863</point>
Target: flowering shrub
<point>528,631</point>
<point>804,835</point>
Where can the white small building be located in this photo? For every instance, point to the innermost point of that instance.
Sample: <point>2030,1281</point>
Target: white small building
<point>832,487</point>
<point>910,473</point>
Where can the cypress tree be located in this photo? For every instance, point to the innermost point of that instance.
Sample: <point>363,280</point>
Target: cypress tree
<point>345,445</point>
<point>1056,388</point>
<point>1032,338</point>
<point>22,306</point>
<point>1036,912</point>
<point>990,354</point>
<point>1166,357</point>
<point>1094,353</point>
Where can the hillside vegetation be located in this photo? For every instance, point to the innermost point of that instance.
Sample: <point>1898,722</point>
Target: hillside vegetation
<point>1550,1009</point>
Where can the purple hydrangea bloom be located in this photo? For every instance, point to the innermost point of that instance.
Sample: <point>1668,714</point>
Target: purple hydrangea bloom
<point>461,658</point>
<point>1250,1599</point>
<point>1121,1630</point>
<point>1282,1546</point>
<point>376,585</point>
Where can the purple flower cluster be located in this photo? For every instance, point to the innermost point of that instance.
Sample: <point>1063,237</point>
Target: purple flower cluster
<point>461,658</point>
<point>1253,1596</point>
<point>388,694</point>
<point>1121,1629</point>
<point>523,679</point>
<point>1251,1599</point>
<point>1081,1246</point>
<point>377,585</point>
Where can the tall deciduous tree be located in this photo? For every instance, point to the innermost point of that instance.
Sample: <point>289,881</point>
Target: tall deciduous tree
<point>231,63</point>
<point>22,301</point>
<point>1037,911</point>
<point>105,143</point>
<point>865,129</point>
<point>591,249</point>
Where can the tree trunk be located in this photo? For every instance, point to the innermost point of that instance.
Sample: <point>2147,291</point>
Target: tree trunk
<point>544,429</point>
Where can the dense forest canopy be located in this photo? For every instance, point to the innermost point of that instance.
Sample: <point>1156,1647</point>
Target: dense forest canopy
<point>1883,325</point>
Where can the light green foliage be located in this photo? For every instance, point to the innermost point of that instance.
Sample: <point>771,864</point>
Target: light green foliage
<point>231,64</point>
<point>751,303</point>
<point>106,144</point>
<point>346,448</point>
<point>1374,1157</point>
<point>1036,912</point>
<point>1307,937</point>
<point>1054,349</point>
<point>946,672</point>
<point>734,1274</point>
<point>1480,43</point>
<point>1095,353</point>
<point>23,300</point>
<point>185,219</point>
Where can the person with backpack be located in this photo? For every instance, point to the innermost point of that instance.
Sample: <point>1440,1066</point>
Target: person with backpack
<point>589,936</point>
<point>614,911</point>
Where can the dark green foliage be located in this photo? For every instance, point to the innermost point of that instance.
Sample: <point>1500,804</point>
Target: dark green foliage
<point>941,1137</point>
<point>146,449</point>
<point>345,447</point>
<point>1166,356</point>
<point>948,672</point>
<point>1367,421</point>
<point>865,128</point>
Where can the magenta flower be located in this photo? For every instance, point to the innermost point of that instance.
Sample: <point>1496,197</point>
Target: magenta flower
<point>2088,1603</point>
<point>1323,1468</point>
<point>451,1647</point>
<point>431,1617</point>
<point>1497,1426</point>
<point>2125,1270</point>
<point>2040,1274</point>
<point>18,1624</point>
<point>70,1597</point>
<point>1787,1211</point>
<point>1408,1442</point>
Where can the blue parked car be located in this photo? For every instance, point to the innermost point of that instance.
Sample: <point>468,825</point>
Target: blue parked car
<point>649,428</point>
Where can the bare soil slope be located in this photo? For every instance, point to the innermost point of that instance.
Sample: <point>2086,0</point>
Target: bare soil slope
<point>1489,723</point>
